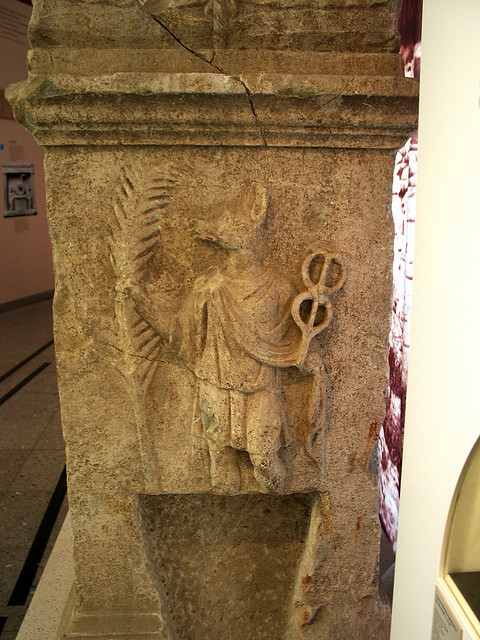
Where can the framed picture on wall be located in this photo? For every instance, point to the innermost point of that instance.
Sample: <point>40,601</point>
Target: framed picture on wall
<point>19,191</point>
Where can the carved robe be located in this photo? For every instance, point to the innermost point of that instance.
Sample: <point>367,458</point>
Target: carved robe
<point>235,334</point>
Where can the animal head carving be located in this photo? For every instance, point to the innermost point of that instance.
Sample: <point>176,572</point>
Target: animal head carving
<point>233,223</point>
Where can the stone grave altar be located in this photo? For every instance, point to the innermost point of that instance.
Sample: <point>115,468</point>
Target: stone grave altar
<point>219,181</point>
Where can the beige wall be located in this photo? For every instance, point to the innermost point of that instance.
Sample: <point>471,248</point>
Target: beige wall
<point>25,252</point>
<point>442,423</point>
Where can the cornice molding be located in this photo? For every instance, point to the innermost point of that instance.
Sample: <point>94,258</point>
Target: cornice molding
<point>204,109</point>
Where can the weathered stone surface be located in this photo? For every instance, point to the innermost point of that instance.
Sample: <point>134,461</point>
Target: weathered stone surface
<point>218,109</point>
<point>220,397</point>
<point>226,564</point>
<point>362,25</point>
<point>99,412</point>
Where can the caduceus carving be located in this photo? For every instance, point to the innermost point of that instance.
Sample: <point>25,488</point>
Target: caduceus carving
<point>323,273</point>
<point>135,229</point>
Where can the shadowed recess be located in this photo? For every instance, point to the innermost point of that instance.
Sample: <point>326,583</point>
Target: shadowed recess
<point>225,566</point>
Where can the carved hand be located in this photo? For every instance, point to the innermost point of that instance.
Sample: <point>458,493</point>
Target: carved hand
<point>313,361</point>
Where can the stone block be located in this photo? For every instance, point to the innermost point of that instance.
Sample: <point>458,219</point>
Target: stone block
<point>219,183</point>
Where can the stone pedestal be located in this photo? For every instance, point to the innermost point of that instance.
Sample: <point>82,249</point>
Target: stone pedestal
<point>218,188</point>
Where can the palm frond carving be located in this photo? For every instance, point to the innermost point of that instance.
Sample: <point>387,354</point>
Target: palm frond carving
<point>135,231</point>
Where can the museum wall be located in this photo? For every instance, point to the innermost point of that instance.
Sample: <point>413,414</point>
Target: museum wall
<point>25,253</point>
<point>442,400</point>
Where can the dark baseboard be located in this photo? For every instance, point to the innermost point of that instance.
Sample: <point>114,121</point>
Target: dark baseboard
<point>21,302</point>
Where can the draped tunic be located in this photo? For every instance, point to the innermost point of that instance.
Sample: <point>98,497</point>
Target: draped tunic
<point>235,334</point>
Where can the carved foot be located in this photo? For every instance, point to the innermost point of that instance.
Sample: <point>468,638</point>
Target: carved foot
<point>269,472</point>
<point>224,470</point>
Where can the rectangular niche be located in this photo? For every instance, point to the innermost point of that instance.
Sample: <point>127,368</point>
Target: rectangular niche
<point>226,566</point>
<point>19,192</point>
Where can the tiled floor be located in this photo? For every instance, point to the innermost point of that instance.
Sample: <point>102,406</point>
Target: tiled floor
<point>32,457</point>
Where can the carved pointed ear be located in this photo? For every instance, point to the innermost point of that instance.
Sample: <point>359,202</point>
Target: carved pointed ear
<point>259,201</point>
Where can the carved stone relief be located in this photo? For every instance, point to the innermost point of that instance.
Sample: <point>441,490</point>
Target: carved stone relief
<point>207,162</point>
<point>196,309</point>
<point>19,193</point>
<point>276,24</point>
<point>238,328</point>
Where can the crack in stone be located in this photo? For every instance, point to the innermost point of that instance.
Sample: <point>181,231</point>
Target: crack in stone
<point>252,107</point>
<point>125,352</point>
<point>337,95</point>
<point>211,63</point>
<point>192,51</point>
